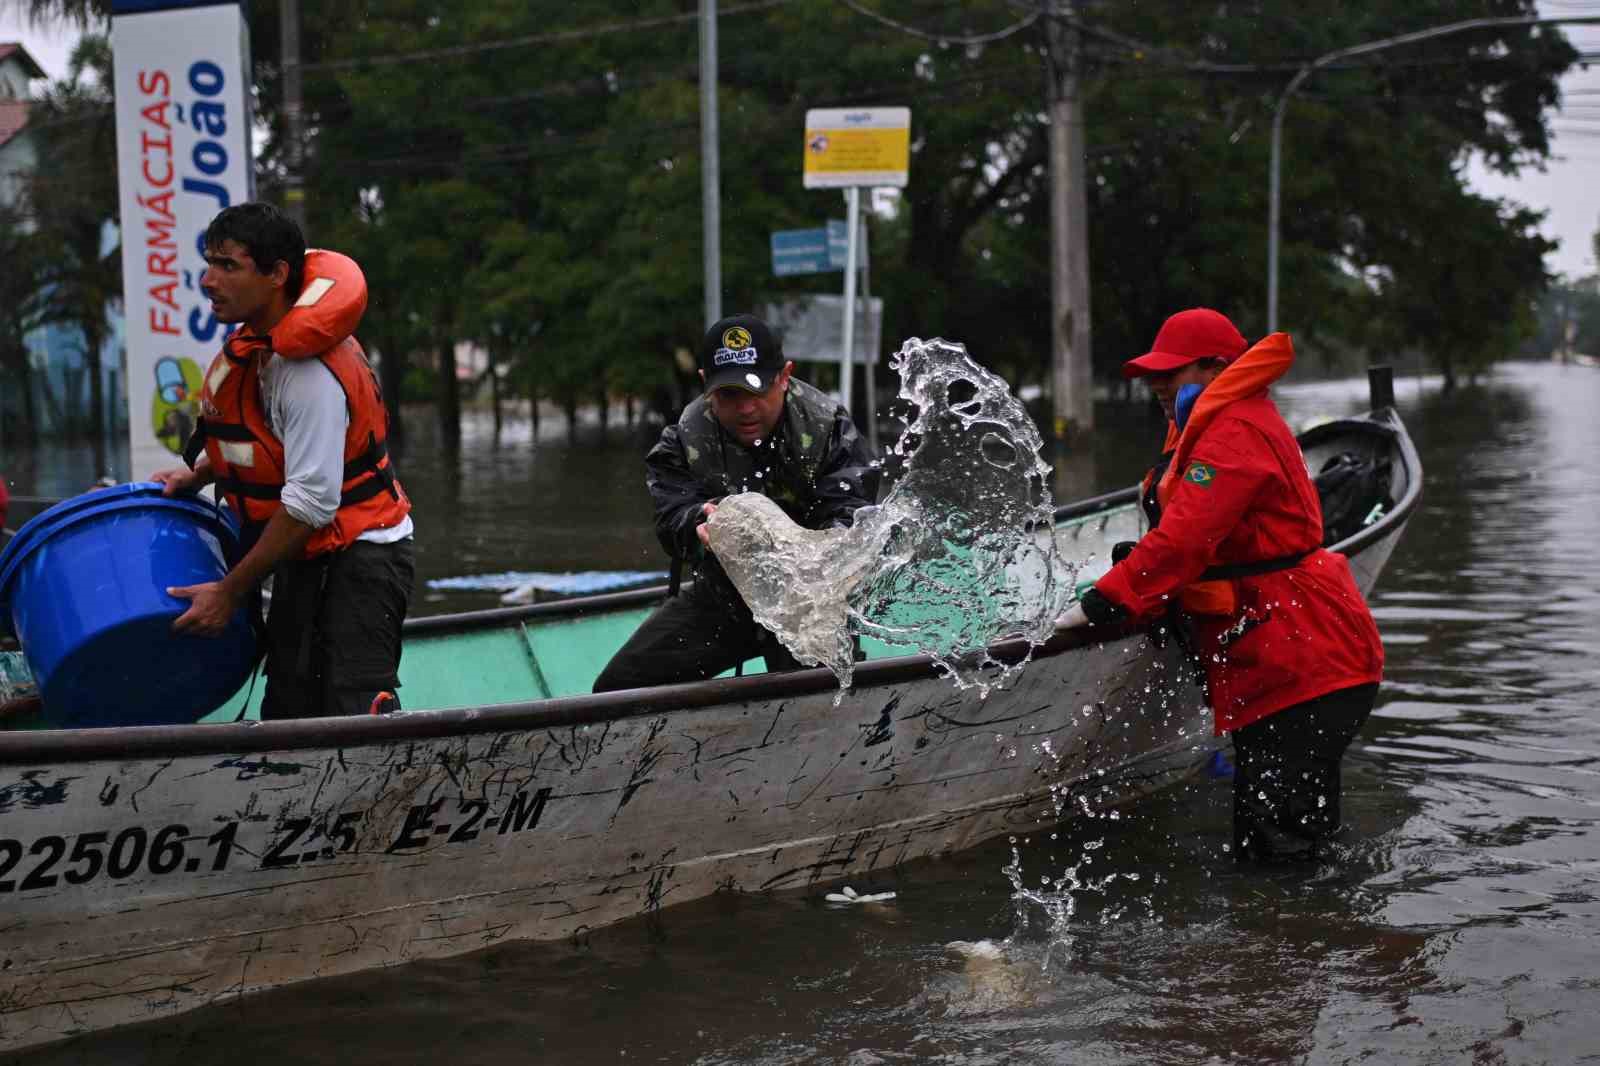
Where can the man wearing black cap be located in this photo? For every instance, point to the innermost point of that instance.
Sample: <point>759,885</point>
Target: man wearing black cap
<point>756,428</point>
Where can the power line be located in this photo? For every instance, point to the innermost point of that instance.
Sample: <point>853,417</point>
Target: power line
<point>456,51</point>
<point>1140,49</point>
<point>606,29</point>
<point>942,38</point>
<point>583,141</point>
<point>920,87</point>
<point>454,156</point>
<point>921,90</point>
<point>598,85</point>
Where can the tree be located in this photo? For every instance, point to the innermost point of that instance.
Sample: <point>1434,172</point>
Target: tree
<point>73,195</point>
<point>84,14</point>
<point>1495,266</point>
<point>19,313</point>
<point>534,167</point>
<point>1568,319</point>
<point>392,328</point>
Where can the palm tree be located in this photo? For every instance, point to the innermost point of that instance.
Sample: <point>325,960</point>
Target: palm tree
<point>19,292</point>
<point>73,195</point>
<point>84,13</point>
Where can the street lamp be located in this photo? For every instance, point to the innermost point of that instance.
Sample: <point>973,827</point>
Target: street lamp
<point>1346,53</point>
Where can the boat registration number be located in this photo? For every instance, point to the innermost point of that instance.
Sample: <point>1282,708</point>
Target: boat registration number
<point>136,850</point>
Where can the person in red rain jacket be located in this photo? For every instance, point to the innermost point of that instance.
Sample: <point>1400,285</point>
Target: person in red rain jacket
<point>294,434</point>
<point>1291,653</point>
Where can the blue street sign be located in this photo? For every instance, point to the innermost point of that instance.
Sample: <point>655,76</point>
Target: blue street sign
<point>838,243</point>
<point>800,251</point>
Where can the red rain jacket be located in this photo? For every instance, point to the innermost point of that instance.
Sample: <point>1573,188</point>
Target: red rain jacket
<point>1244,496</point>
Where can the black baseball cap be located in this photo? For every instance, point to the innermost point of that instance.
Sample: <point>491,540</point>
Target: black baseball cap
<point>742,351</point>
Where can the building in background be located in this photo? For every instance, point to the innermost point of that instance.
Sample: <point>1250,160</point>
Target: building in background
<point>17,157</point>
<point>55,352</point>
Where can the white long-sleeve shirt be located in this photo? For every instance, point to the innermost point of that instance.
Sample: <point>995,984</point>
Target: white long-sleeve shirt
<point>306,409</point>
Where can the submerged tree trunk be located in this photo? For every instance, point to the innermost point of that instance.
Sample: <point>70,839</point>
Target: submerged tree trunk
<point>449,397</point>
<point>391,373</point>
<point>494,391</point>
<point>97,404</point>
<point>23,430</point>
<point>97,390</point>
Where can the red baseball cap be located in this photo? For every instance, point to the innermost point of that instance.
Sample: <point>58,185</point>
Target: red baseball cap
<point>1198,333</point>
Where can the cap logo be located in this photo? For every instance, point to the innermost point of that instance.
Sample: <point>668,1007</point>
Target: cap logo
<point>736,337</point>
<point>734,357</point>
<point>753,381</point>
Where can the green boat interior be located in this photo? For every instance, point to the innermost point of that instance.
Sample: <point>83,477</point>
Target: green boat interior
<point>556,649</point>
<point>548,650</point>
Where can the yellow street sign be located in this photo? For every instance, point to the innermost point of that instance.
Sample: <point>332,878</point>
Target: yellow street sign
<point>857,146</point>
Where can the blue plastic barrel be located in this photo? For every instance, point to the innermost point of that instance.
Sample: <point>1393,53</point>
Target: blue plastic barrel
<point>84,588</point>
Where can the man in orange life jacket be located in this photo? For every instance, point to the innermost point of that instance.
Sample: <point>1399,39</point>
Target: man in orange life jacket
<point>294,431</point>
<point>1291,653</point>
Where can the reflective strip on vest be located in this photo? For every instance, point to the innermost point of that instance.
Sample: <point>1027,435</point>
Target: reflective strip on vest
<point>238,453</point>
<point>248,457</point>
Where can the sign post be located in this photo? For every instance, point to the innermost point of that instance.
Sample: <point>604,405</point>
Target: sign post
<point>183,154</point>
<point>847,149</point>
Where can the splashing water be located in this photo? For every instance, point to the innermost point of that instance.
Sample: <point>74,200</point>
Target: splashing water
<point>1055,898</point>
<point>958,554</point>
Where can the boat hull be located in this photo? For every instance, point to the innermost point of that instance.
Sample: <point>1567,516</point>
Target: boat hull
<point>147,871</point>
<point>235,871</point>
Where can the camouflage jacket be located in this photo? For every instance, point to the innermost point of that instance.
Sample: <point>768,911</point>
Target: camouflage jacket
<point>815,465</point>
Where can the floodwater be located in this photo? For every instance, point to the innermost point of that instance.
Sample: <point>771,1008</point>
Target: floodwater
<point>1460,922</point>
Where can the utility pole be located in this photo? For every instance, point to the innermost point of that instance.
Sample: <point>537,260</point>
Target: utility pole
<point>294,192</point>
<point>1071,380</point>
<point>710,163</point>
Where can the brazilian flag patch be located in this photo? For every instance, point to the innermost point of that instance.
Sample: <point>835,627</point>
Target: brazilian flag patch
<point>1202,474</point>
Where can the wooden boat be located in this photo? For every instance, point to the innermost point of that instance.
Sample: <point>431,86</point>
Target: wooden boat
<point>147,871</point>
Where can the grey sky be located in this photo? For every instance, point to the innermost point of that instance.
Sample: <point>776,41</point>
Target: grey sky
<point>1566,188</point>
<point>50,47</point>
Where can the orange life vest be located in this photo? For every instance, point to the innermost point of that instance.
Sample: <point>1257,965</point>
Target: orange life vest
<point>1247,375</point>
<point>247,458</point>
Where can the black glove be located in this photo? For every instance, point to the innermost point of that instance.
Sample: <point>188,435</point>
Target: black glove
<point>1121,550</point>
<point>1100,610</point>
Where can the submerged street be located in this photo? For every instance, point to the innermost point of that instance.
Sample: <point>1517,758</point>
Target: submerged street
<point>1459,924</point>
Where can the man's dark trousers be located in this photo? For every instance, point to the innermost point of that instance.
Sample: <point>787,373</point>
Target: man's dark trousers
<point>1287,782</point>
<point>333,631</point>
<point>696,634</point>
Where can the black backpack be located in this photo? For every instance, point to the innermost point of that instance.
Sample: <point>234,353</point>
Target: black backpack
<point>1355,493</point>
